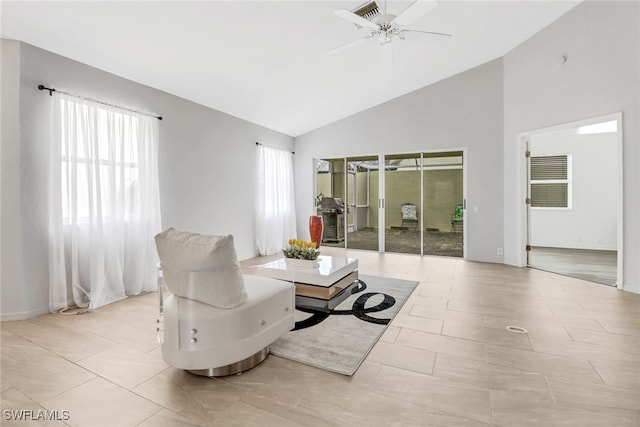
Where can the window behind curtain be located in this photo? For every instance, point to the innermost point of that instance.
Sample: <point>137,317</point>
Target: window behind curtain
<point>104,202</point>
<point>275,206</point>
<point>114,184</point>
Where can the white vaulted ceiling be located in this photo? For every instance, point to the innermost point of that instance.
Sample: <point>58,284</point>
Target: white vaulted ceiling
<point>266,61</point>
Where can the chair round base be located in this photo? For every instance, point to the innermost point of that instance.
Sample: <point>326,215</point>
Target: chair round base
<point>234,368</point>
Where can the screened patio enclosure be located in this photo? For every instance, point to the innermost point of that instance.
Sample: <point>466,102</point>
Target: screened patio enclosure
<point>406,206</point>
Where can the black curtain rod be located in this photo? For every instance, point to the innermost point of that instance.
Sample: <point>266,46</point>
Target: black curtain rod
<point>258,143</point>
<point>51,90</point>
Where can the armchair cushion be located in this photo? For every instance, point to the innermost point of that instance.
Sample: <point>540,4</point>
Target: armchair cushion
<point>200,267</point>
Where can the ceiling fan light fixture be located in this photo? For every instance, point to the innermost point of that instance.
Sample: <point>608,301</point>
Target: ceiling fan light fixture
<point>384,38</point>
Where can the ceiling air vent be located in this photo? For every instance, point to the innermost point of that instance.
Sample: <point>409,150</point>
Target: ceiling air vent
<point>368,10</point>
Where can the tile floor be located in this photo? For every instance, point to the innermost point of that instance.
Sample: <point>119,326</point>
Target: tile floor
<point>446,360</point>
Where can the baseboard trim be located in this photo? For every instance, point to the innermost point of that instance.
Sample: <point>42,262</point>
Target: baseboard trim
<point>24,315</point>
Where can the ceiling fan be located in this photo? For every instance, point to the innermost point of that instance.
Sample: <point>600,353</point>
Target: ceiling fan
<point>384,27</point>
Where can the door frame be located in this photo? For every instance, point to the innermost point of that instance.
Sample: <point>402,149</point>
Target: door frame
<point>523,237</point>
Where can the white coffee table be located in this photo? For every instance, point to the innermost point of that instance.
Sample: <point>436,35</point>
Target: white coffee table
<point>322,287</point>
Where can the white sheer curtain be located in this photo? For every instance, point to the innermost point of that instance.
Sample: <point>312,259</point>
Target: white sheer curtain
<point>104,203</point>
<point>276,212</point>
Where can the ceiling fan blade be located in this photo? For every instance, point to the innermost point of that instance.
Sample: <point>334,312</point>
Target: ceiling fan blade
<point>355,19</point>
<point>349,45</point>
<point>414,11</point>
<point>425,32</point>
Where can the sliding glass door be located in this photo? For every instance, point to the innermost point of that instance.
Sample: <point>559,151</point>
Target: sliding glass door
<point>362,202</point>
<point>444,208</point>
<point>403,203</point>
<point>406,203</point>
<point>330,190</point>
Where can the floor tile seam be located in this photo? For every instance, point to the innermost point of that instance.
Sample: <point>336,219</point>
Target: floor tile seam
<point>128,390</point>
<point>471,385</point>
<point>186,389</point>
<point>302,410</point>
<point>52,353</point>
<point>99,375</point>
<point>605,301</point>
<point>593,316</point>
<point>590,408</point>
<point>94,376</point>
<point>395,397</point>
<point>462,356</point>
<point>152,415</point>
<point>607,331</point>
<point>564,356</point>
<point>31,399</point>
<point>496,363</point>
<point>505,365</point>
<point>515,312</point>
<point>244,388</point>
<point>190,421</point>
<point>296,406</point>
<point>602,355</point>
<point>460,383</point>
<point>441,411</point>
<point>417,317</point>
<point>490,408</point>
<point>546,381</point>
<point>485,343</point>
<point>579,407</point>
<point>491,365</point>
<point>39,322</point>
<point>569,381</point>
<point>147,379</point>
<point>423,317</point>
<point>493,328</point>
<point>433,365</point>
<point>453,310</point>
<point>409,347</point>
<point>35,401</point>
<point>118,344</point>
<point>633,347</point>
<point>629,322</point>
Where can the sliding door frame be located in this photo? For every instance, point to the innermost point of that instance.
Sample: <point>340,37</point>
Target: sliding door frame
<point>382,188</point>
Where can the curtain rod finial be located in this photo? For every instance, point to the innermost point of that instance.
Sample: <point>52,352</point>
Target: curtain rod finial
<point>43,87</point>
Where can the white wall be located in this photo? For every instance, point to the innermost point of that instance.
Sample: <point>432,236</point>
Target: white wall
<point>463,111</point>
<point>10,220</point>
<point>591,223</point>
<point>601,41</point>
<point>206,161</point>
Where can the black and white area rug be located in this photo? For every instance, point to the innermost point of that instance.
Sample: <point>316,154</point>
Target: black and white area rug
<point>340,339</point>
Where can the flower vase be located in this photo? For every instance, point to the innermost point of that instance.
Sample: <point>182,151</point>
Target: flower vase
<point>315,229</point>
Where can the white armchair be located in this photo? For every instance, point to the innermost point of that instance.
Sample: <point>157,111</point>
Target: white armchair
<point>217,320</point>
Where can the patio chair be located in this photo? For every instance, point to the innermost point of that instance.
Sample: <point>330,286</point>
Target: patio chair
<point>457,218</point>
<point>409,215</point>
